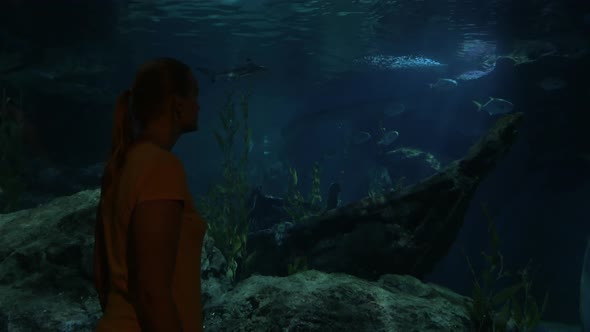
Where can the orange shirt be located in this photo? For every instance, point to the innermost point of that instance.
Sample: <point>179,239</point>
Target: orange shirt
<point>151,173</point>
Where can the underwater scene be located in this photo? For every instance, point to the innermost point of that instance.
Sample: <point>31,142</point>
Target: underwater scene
<point>360,165</point>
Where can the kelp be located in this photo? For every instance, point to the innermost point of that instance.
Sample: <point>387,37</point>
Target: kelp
<point>224,205</point>
<point>500,300</point>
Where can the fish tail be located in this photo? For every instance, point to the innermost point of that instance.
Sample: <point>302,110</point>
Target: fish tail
<point>478,105</point>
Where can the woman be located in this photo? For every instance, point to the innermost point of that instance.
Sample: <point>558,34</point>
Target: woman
<point>147,253</point>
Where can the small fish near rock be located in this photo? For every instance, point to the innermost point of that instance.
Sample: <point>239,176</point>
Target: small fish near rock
<point>495,106</point>
<point>444,84</point>
<point>388,138</point>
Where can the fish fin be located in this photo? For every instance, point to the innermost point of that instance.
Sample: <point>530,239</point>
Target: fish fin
<point>585,290</point>
<point>478,105</point>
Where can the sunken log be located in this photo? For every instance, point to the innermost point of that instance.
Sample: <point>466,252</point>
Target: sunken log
<point>402,232</point>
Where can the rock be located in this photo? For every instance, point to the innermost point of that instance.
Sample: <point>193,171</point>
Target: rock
<point>316,301</point>
<point>46,267</point>
<point>402,232</point>
<point>45,285</point>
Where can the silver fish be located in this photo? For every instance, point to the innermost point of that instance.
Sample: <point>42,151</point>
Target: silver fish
<point>388,138</point>
<point>388,62</point>
<point>495,106</point>
<point>444,84</point>
<point>361,137</point>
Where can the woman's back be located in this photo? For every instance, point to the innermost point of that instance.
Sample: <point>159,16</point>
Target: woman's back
<point>150,173</point>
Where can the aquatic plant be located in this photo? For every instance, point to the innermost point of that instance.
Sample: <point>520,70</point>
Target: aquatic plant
<point>224,205</point>
<point>11,158</point>
<point>298,264</point>
<point>501,302</point>
<point>315,195</point>
<point>294,201</point>
<point>296,206</point>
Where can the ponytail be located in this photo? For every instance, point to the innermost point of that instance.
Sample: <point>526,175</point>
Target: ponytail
<point>122,139</point>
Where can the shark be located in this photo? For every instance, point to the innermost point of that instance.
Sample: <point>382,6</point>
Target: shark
<point>247,69</point>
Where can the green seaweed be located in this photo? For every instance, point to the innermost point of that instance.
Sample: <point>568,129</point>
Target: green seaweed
<point>297,207</point>
<point>224,205</point>
<point>504,307</point>
<point>298,264</point>
<point>315,195</point>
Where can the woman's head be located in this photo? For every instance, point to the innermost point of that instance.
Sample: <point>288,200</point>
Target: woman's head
<point>165,88</point>
<point>162,99</point>
<point>163,102</point>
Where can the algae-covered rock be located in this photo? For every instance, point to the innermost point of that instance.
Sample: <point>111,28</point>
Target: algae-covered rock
<point>317,301</point>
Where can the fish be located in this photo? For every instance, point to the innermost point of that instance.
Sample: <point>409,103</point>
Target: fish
<point>328,131</point>
<point>444,84</point>
<point>552,84</point>
<point>495,106</point>
<point>472,75</point>
<point>388,138</point>
<point>394,109</point>
<point>360,137</point>
<point>585,290</point>
<point>388,62</point>
<point>247,69</point>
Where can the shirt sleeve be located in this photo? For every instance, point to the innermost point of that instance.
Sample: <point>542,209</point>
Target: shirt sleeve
<point>164,181</point>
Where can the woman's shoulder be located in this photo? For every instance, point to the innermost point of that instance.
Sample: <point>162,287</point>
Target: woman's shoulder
<point>149,154</point>
<point>146,161</point>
